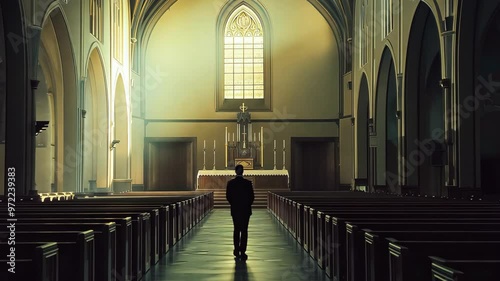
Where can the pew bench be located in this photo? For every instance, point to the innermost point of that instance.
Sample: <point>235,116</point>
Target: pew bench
<point>75,248</point>
<point>37,261</point>
<point>409,260</point>
<point>464,270</point>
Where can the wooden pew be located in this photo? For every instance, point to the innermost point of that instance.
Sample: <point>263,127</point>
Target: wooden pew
<point>123,236</point>
<point>338,231</point>
<point>150,218</point>
<point>309,232</point>
<point>76,251</point>
<point>104,235</point>
<point>138,231</point>
<point>409,260</point>
<point>35,261</point>
<point>464,270</point>
<point>372,262</point>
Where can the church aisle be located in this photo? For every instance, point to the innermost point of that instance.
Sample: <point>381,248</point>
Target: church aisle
<point>273,254</point>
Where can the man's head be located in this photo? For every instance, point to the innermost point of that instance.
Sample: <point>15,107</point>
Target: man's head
<point>239,170</point>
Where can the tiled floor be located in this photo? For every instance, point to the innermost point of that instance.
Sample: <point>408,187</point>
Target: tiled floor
<point>206,253</point>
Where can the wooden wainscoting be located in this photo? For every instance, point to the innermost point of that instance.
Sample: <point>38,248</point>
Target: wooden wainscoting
<point>170,163</point>
<point>314,164</point>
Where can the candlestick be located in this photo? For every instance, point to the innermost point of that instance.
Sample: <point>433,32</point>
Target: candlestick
<point>261,138</point>
<point>214,156</point>
<point>284,155</point>
<point>204,158</point>
<point>274,155</point>
<point>244,137</point>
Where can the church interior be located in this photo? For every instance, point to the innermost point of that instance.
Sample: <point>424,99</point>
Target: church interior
<point>367,128</point>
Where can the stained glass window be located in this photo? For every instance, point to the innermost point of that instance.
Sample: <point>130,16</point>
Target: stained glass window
<point>243,56</point>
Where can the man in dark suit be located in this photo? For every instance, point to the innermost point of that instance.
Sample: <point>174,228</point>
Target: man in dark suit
<point>239,193</point>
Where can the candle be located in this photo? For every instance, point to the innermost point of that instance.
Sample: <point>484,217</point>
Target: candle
<point>283,144</point>
<point>204,144</point>
<point>225,136</point>
<point>233,137</point>
<point>254,137</point>
<point>214,144</point>
<point>274,144</point>
<point>259,136</point>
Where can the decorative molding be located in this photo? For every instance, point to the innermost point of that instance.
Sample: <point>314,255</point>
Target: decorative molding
<point>333,120</point>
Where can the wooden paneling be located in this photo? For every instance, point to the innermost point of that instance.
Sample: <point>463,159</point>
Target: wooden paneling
<point>314,164</point>
<point>169,164</point>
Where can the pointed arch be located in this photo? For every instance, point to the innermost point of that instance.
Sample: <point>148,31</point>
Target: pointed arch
<point>386,124</point>
<point>424,108</point>
<point>95,129</point>
<point>121,131</point>
<point>243,16</point>
<point>56,44</point>
<point>363,114</point>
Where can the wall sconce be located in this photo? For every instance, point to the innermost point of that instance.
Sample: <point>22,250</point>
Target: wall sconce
<point>114,143</point>
<point>40,126</point>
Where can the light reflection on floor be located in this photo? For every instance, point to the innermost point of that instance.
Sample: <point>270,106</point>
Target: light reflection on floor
<point>206,253</point>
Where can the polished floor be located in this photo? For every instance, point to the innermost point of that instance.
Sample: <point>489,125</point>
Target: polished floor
<point>205,253</point>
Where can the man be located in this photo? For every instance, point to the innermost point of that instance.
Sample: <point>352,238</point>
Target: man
<point>239,193</point>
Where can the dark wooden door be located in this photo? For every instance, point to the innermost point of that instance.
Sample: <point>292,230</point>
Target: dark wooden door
<point>314,164</point>
<point>169,165</point>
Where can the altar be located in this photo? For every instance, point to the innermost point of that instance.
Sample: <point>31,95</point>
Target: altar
<point>262,179</point>
<point>246,148</point>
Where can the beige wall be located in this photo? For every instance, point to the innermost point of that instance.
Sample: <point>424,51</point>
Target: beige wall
<point>182,51</point>
<point>211,131</point>
<point>305,78</point>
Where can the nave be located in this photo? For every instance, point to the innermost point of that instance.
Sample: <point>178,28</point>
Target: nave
<point>205,253</point>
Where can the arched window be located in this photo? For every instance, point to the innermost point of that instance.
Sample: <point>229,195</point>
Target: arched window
<point>244,59</point>
<point>243,56</point>
<point>96,19</point>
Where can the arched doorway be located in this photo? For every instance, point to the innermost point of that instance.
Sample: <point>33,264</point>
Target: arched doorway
<point>387,125</point>
<point>56,96</point>
<point>121,150</point>
<point>95,126</point>
<point>488,70</point>
<point>362,154</point>
<point>424,106</point>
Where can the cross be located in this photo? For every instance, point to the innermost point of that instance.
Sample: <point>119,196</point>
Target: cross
<point>243,107</point>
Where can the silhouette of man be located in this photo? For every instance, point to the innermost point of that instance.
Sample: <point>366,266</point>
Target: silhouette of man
<point>239,194</point>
